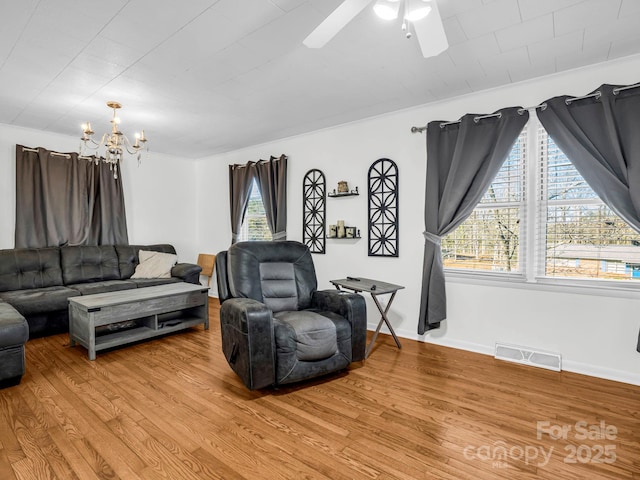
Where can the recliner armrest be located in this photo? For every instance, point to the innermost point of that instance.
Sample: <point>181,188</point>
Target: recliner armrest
<point>247,341</point>
<point>188,272</point>
<point>351,306</point>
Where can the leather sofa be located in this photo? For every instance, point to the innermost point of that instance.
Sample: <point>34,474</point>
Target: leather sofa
<point>14,333</point>
<point>37,282</point>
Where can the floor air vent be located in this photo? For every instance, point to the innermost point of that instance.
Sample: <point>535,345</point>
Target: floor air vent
<point>528,356</point>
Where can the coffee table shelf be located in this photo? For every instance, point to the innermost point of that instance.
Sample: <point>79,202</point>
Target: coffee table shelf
<point>154,311</point>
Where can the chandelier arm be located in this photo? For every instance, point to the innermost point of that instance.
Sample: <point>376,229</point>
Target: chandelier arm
<point>131,149</point>
<point>93,142</point>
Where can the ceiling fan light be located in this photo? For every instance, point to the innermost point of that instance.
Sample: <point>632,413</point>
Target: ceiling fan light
<point>387,9</point>
<point>416,10</point>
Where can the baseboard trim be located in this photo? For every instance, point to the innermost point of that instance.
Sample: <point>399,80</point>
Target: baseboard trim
<point>567,365</point>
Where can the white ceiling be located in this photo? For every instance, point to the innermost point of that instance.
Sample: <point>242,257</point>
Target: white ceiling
<point>209,76</point>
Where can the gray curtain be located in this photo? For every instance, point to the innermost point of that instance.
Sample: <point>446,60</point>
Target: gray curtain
<point>272,179</point>
<point>64,200</point>
<point>240,178</point>
<point>601,137</point>
<point>462,160</point>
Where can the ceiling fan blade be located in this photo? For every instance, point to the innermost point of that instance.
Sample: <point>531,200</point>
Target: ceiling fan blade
<point>430,33</point>
<point>335,22</point>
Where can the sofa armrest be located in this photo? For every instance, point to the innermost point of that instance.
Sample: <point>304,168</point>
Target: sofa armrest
<point>187,272</point>
<point>351,306</point>
<point>247,341</point>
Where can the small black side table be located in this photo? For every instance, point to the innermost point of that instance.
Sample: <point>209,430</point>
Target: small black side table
<point>375,288</point>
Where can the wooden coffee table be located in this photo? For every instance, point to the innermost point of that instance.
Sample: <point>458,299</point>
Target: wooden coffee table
<point>148,312</point>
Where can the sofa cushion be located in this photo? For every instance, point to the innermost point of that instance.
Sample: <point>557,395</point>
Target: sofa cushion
<point>290,368</point>
<point>102,287</point>
<point>24,268</point>
<point>154,264</point>
<point>314,336</point>
<point>39,300</point>
<point>13,327</point>
<point>82,264</point>
<point>128,256</point>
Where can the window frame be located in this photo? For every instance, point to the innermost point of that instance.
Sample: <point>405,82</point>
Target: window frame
<point>533,243</point>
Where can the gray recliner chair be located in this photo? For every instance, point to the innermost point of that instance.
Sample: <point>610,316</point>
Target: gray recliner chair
<point>277,328</point>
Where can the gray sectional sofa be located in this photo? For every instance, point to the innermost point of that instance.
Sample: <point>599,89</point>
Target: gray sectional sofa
<point>36,283</point>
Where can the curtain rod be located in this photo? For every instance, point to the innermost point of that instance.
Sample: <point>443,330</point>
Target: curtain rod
<point>542,106</point>
<point>444,124</point>
<point>58,154</point>
<point>616,91</point>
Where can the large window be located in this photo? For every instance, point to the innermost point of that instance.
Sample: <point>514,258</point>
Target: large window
<point>569,232</point>
<point>582,237</point>
<point>255,225</point>
<point>490,238</point>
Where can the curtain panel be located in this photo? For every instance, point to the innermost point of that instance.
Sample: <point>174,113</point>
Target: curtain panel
<point>240,178</point>
<point>271,176</point>
<point>462,160</point>
<point>600,134</point>
<point>65,200</point>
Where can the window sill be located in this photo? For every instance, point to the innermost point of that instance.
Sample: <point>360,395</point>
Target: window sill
<point>556,285</point>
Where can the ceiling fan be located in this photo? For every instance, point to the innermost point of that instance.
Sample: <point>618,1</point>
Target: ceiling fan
<point>421,16</point>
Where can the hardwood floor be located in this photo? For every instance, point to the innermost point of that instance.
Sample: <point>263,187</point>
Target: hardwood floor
<point>172,408</point>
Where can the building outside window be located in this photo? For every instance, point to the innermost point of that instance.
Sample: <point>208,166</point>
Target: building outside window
<point>563,231</point>
<point>255,226</point>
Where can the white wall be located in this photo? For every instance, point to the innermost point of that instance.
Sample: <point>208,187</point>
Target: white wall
<point>159,195</point>
<point>595,334</point>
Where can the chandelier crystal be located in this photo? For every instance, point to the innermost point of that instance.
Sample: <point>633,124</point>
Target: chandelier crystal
<point>115,143</point>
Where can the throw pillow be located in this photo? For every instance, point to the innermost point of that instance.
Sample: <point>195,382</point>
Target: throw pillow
<point>154,264</point>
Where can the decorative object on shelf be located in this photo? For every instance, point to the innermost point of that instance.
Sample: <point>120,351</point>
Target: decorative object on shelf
<point>350,233</point>
<point>345,192</point>
<point>115,142</point>
<point>383,208</point>
<point>341,230</point>
<point>313,211</point>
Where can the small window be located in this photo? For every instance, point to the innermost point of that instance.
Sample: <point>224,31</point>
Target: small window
<point>255,226</point>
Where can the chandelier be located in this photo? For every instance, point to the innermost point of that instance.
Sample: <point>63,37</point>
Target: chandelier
<point>414,10</point>
<point>115,143</point>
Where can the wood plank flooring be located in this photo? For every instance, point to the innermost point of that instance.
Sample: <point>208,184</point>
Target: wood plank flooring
<point>171,408</point>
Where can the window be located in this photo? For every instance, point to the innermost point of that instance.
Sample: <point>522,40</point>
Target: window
<point>565,227</point>
<point>582,237</point>
<point>490,238</point>
<point>255,225</point>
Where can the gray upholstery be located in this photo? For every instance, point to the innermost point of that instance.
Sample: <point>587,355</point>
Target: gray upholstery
<point>278,283</point>
<point>39,300</point>
<point>39,281</point>
<point>23,268</point>
<point>14,333</point>
<point>310,335</point>
<point>84,264</point>
<point>276,327</point>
